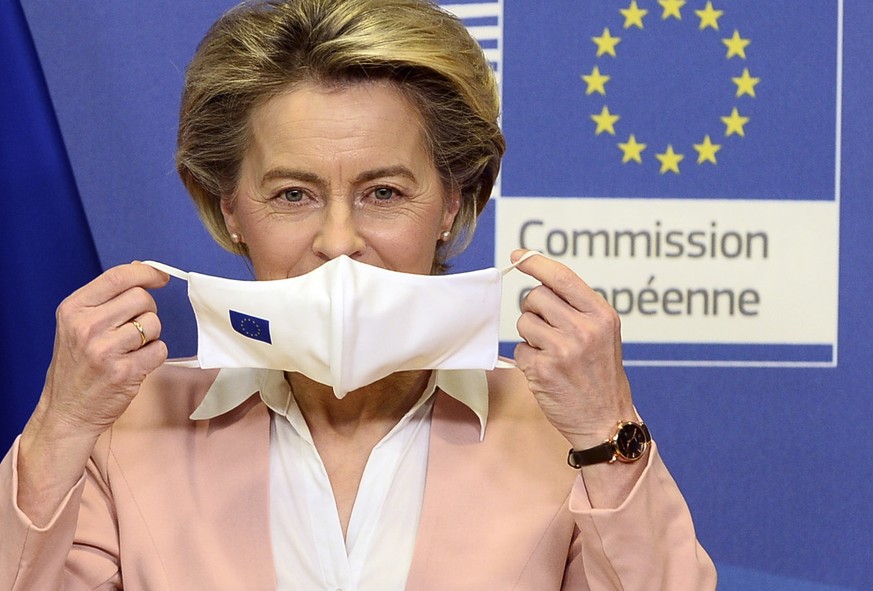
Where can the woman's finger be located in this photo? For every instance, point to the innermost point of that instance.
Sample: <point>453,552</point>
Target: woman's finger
<point>139,331</point>
<point>127,305</point>
<point>533,330</point>
<point>562,280</point>
<point>118,280</point>
<point>554,310</point>
<point>149,358</point>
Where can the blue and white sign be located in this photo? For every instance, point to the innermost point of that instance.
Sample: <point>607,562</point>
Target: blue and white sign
<point>685,162</point>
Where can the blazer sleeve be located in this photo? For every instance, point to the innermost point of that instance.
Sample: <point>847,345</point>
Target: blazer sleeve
<point>646,543</point>
<point>57,556</point>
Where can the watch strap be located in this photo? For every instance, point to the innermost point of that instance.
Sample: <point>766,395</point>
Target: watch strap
<point>598,454</point>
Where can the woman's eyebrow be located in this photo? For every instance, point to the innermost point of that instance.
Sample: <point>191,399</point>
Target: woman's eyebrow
<point>292,174</point>
<point>281,173</point>
<point>386,171</point>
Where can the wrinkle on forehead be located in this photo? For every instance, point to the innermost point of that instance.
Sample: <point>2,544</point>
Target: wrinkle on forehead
<point>294,130</point>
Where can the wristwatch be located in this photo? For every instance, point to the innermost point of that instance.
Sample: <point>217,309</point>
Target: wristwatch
<point>628,443</point>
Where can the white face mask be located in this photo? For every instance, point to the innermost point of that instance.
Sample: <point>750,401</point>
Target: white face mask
<point>347,324</point>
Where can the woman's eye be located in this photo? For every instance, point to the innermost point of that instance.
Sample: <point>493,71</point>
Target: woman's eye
<point>292,195</point>
<point>383,193</point>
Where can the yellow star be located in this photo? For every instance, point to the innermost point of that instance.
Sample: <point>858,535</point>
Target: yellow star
<point>633,15</point>
<point>709,16</point>
<point>671,8</point>
<point>736,45</point>
<point>606,43</point>
<point>596,81</point>
<point>632,150</point>
<point>745,83</point>
<point>605,121</point>
<point>706,151</point>
<point>670,160</point>
<point>734,124</point>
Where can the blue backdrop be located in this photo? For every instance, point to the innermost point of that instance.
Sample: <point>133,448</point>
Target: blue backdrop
<point>774,462</point>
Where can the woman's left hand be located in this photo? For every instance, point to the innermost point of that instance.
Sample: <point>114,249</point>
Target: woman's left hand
<point>571,354</point>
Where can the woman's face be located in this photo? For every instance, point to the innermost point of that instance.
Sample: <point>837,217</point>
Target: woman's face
<point>333,172</point>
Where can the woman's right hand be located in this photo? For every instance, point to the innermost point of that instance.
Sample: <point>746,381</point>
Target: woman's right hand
<point>98,365</point>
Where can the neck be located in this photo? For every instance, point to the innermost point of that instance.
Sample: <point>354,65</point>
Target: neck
<point>377,406</point>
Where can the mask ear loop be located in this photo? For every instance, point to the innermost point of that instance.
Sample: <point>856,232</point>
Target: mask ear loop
<point>504,363</point>
<point>523,258</point>
<point>178,274</point>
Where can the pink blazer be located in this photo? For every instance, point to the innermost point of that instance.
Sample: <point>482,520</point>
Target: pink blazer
<point>170,503</point>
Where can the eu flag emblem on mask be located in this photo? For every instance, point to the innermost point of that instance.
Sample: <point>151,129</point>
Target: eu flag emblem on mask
<point>251,326</point>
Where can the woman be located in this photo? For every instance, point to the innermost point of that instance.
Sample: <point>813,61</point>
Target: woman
<point>312,130</point>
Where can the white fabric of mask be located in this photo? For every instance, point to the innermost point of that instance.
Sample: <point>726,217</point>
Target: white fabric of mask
<point>347,324</point>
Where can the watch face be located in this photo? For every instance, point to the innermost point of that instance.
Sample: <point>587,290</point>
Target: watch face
<point>631,442</point>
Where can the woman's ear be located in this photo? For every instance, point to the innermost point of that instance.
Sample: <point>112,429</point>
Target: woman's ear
<point>227,210</point>
<point>453,205</point>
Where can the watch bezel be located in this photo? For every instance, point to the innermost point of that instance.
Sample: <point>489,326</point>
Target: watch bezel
<point>625,433</point>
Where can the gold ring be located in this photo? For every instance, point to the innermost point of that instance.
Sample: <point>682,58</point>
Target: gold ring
<point>142,335</point>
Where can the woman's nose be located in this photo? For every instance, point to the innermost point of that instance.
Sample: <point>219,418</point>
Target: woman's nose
<point>338,234</point>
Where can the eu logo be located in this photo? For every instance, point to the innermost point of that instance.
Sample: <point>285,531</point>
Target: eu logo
<point>671,99</point>
<point>251,326</point>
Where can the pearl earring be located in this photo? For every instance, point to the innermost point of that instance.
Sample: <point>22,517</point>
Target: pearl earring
<point>235,238</point>
<point>445,235</point>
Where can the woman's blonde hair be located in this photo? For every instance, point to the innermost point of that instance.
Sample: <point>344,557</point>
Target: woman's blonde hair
<point>260,49</point>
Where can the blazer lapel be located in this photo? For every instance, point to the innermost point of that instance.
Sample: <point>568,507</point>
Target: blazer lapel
<point>494,514</point>
<point>235,463</point>
<point>455,430</point>
<point>191,497</point>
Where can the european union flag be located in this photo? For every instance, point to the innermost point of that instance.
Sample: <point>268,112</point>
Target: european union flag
<point>52,251</point>
<point>251,326</point>
<point>672,98</point>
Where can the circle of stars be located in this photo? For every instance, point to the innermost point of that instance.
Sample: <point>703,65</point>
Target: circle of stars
<point>632,149</point>
<point>250,328</point>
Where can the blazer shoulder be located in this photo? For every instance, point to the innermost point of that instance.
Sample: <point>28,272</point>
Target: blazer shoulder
<point>168,395</point>
<point>512,406</point>
<point>509,394</point>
